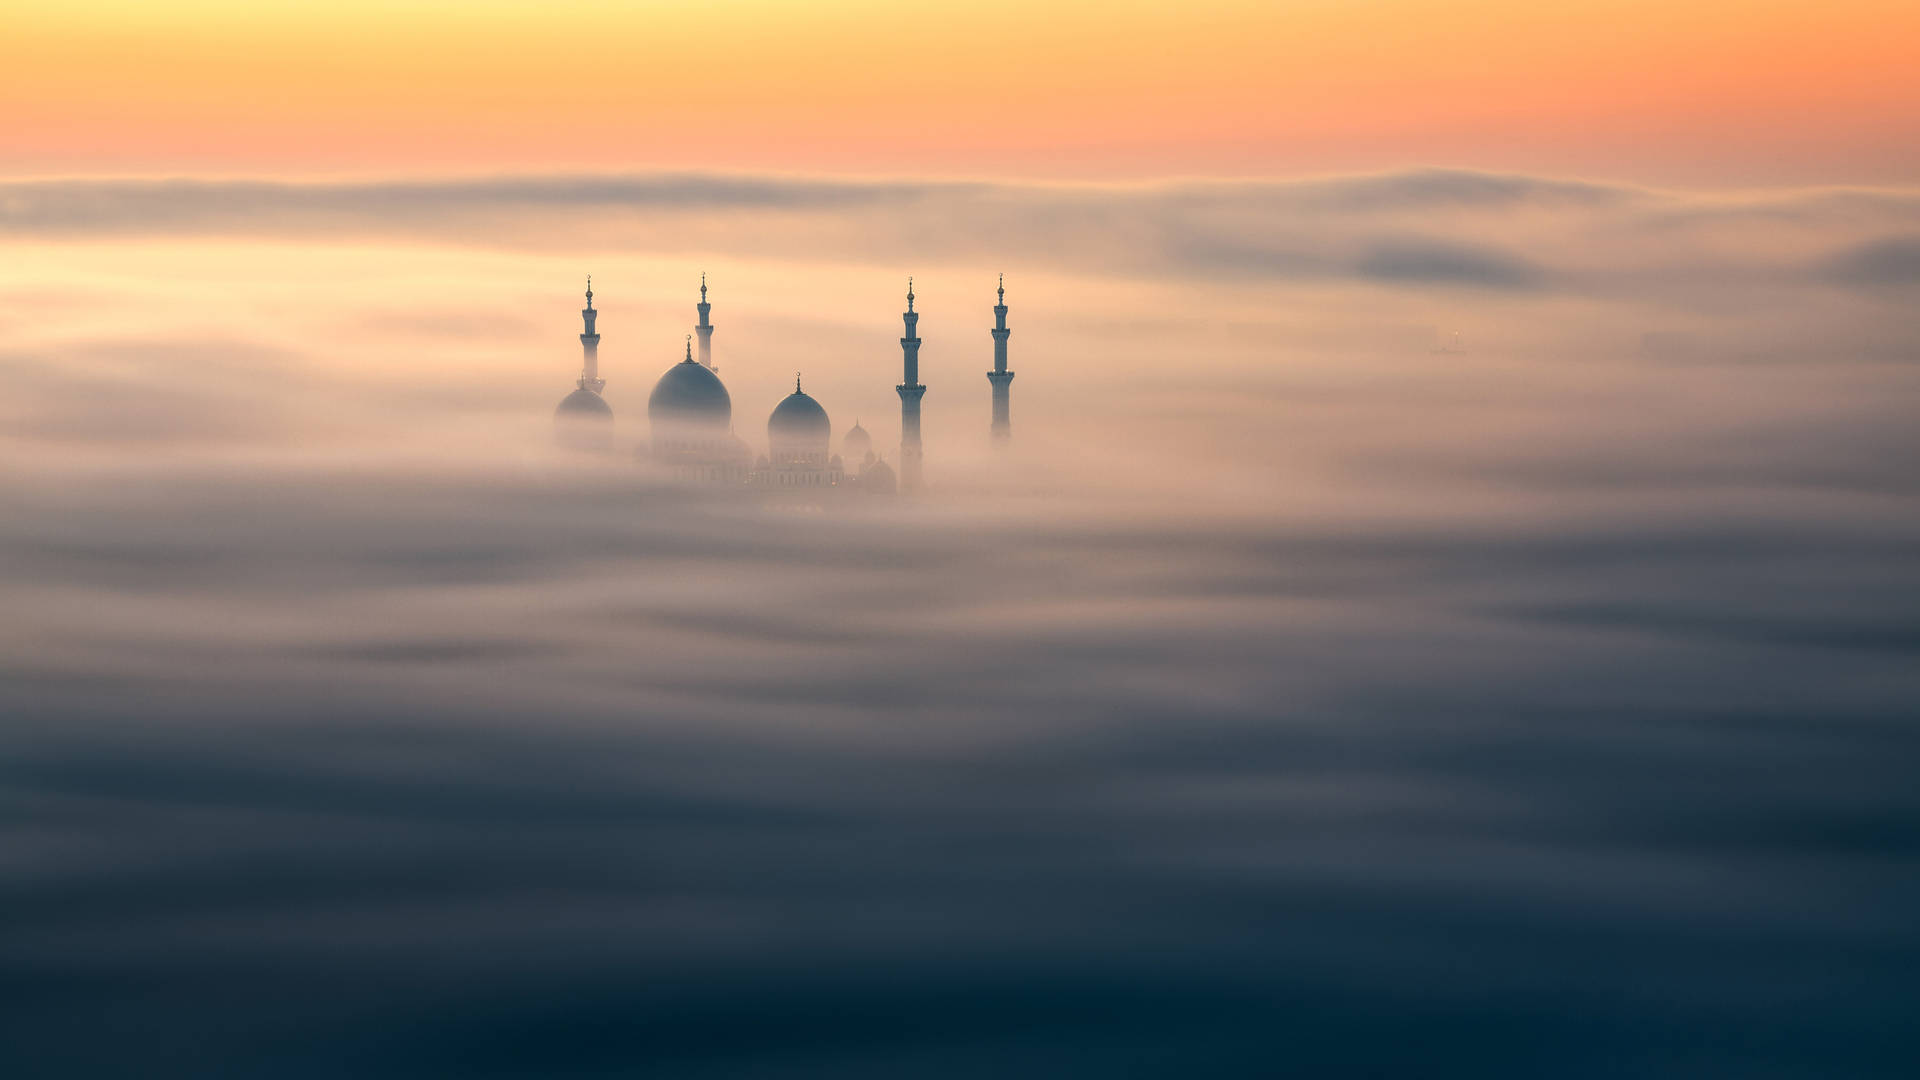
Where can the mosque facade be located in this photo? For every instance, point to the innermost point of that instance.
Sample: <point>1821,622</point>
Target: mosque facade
<point>691,425</point>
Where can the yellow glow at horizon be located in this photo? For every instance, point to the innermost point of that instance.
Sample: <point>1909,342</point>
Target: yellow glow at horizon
<point>927,87</point>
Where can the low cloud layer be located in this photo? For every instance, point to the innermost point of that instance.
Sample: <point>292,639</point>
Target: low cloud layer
<point>560,771</point>
<point>1544,700</point>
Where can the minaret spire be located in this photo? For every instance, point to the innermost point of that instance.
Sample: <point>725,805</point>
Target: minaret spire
<point>705,328</point>
<point>1000,377</point>
<point>910,392</point>
<point>590,346</point>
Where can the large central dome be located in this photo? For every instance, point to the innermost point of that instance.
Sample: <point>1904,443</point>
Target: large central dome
<point>689,395</point>
<point>800,423</point>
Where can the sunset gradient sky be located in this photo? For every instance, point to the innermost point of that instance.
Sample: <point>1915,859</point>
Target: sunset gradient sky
<point>1709,93</point>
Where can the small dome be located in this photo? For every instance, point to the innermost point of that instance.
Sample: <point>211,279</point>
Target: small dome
<point>690,395</point>
<point>799,421</point>
<point>583,404</point>
<point>856,442</point>
<point>877,479</point>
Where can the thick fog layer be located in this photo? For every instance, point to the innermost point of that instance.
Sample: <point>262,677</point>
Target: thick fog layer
<point>1430,624</point>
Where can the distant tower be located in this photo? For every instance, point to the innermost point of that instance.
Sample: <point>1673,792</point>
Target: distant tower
<point>590,346</point>
<point>705,328</point>
<point>1000,377</point>
<point>910,394</point>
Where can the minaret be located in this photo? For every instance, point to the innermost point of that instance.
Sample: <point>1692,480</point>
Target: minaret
<point>705,328</point>
<point>910,393</point>
<point>590,346</point>
<point>1000,377</point>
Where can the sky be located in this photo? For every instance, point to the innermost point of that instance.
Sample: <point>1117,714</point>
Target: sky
<point>1710,93</point>
<point>1454,573</point>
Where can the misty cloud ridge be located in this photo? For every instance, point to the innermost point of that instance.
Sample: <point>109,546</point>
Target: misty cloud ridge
<point>1512,231</point>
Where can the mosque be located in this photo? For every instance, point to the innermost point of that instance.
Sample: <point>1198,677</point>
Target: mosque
<point>690,417</point>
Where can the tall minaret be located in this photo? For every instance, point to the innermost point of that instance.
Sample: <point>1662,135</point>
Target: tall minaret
<point>910,393</point>
<point>705,328</point>
<point>590,345</point>
<point>1000,377</point>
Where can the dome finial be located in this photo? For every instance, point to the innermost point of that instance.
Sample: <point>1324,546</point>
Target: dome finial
<point>689,349</point>
<point>796,382</point>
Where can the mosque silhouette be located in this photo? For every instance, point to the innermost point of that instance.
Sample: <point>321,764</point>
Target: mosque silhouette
<point>690,414</point>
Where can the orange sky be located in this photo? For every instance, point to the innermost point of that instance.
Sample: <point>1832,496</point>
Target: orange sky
<point>1709,92</point>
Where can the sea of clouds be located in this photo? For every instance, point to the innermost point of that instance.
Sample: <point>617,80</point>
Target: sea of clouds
<point>1290,697</point>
